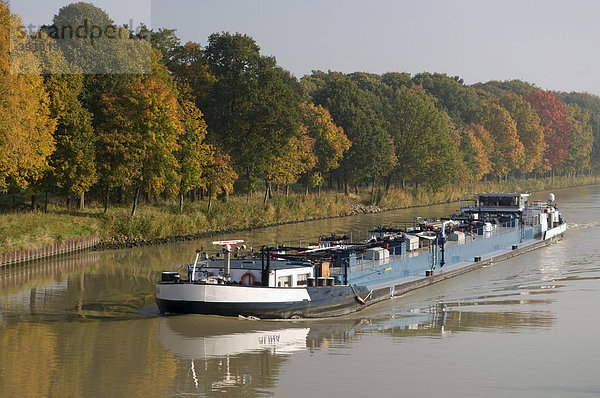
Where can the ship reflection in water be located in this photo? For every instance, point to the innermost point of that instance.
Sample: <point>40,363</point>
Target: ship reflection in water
<point>245,357</point>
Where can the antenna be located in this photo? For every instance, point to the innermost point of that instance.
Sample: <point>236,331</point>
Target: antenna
<point>227,253</point>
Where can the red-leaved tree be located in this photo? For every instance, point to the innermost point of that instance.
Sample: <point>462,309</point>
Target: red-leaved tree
<point>553,119</point>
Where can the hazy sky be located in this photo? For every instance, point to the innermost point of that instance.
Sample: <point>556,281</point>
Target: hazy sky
<point>553,44</point>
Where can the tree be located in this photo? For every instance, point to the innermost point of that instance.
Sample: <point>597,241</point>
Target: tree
<point>298,160</point>
<point>590,103</point>
<point>553,119</point>
<point>529,130</point>
<point>508,151</point>
<point>372,151</point>
<point>422,139</point>
<point>459,101</point>
<point>138,146</point>
<point>253,107</point>
<point>73,169</point>
<point>581,139</point>
<point>193,154</point>
<point>92,41</point>
<point>189,67</point>
<point>330,140</point>
<point>164,40</point>
<point>25,123</point>
<point>220,176</point>
<point>109,62</point>
<point>477,147</point>
<point>500,89</point>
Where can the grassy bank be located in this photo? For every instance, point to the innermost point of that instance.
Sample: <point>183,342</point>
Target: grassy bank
<point>34,229</point>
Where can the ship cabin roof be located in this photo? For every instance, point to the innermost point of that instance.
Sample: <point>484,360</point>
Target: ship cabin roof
<point>496,203</point>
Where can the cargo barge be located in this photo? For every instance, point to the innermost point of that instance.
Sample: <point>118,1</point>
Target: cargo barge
<point>334,276</point>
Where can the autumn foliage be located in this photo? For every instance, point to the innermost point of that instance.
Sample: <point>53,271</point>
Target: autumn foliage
<point>210,121</point>
<point>553,119</point>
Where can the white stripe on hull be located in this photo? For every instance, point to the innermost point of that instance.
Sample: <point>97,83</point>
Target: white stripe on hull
<point>551,233</point>
<point>229,294</point>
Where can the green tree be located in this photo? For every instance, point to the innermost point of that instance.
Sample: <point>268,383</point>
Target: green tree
<point>73,169</point>
<point>189,67</point>
<point>591,103</point>
<point>422,139</point>
<point>500,89</point>
<point>459,101</point>
<point>253,107</point>
<point>92,41</point>
<point>164,40</point>
<point>582,139</point>
<point>372,152</point>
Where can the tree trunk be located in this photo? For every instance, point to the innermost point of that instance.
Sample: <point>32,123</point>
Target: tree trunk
<point>181,201</point>
<point>135,201</point>
<point>33,202</point>
<point>306,191</point>
<point>287,190</point>
<point>266,192</point>
<point>209,202</point>
<point>372,185</point>
<point>46,203</point>
<point>355,188</point>
<point>82,201</point>
<point>346,192</point>
<point>106,192</point>
<point>319,192</point>
<point>68,203</point>
<point>330,179</point>
<point>120,195</point>
<point>388,182</point>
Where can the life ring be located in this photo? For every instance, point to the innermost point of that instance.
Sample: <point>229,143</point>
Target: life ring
<point>251,279</point>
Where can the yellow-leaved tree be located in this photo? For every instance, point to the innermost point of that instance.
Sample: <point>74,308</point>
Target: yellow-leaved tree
<point>219,175</point>
<point>508,152</point>
<point>330,141</point>
<point>299,159</point>
<point>25,124</point>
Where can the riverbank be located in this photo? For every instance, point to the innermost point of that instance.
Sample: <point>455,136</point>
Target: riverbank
<point>159,224</point>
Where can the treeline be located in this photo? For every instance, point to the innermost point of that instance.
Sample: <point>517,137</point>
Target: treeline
<point>137,113</point>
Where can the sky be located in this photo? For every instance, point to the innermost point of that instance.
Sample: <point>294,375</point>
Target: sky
<point>553,44</point>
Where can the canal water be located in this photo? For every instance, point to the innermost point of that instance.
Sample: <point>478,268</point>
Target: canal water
<point>86,325</point>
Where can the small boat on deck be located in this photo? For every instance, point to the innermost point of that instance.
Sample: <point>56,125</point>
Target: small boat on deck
<point>334,276</point>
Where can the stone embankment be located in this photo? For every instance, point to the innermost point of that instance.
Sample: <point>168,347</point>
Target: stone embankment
<point>361,209</point>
